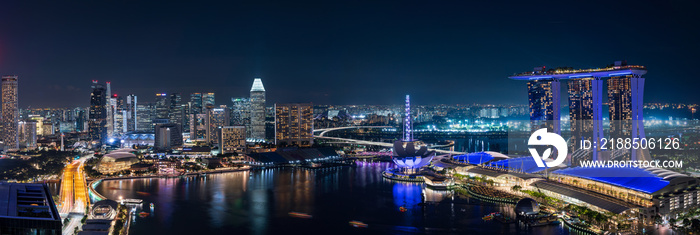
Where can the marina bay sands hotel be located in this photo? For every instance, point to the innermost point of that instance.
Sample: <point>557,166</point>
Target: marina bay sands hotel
<point>625,92</point>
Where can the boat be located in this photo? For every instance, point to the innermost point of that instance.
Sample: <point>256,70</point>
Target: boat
<point>152,206</point>
<point>403,209</point>
<point>487,217</point>
<point>300,215</point>
<point>132,201</point>
<point>143,214</point>
<point>358,224</point>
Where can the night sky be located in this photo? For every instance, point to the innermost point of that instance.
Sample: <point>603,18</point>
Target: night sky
<point>333,52</point>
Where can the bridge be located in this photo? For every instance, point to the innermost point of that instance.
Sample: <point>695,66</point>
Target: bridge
<point>322,133</point>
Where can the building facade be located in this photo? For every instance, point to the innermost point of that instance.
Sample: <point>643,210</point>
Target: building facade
<point>97,118</point>
<point>233,139</point>
<point>10,112</point>
<point>294,124</point>
<point>257,110</point>
<point>167,136</point>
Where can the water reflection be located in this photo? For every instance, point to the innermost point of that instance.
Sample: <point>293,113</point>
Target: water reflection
<point>259,202</point>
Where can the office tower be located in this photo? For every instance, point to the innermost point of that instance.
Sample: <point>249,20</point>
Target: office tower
<point>27,134</point>
<point>257,110</point>
<point>216,118</point>
<point>28,209</point>
<point>79,119</point>
<point>162,106</point>
<point>167,136</point>
<point>196,105</point>
<point>198,127</point>
<point>144,117</point>
<point>176,113</point>
<point>543,97</point>
<point>97,118</point>
<point>109,108</point>
<point>294,124</point>
<point>207,99</point>
<point>131,113</point>
<point>10,112</point>
<point>240,113</point>
<point>233,139</point>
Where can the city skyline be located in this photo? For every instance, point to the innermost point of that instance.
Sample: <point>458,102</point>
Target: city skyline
<point>332,52</point>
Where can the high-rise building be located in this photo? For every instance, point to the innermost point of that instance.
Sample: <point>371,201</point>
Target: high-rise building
<point>79,119</point>
<point>131,114</point>
<point>207,99</point>
<point>177,110</point>
<point>198,127</point>
<point>625,99</point>
<point>294,124</point>
<point>27,134</point>
<point>162,106</point>
<point>10,112</point>
<point>233,139</point>
<point>196,105</point>
<point>97,118</point>
<point>585,109</point>
<point>109,108</point>
<point>216,118</point>
<point>167,136</point>
<point>543,96</point>
<point>257,110</point>
<point>144,117</point>
<point>240,113</point>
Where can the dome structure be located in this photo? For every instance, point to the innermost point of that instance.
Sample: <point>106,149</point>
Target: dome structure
<point>527,206</point>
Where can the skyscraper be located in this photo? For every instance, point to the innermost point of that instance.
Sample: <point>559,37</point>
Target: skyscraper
<point>294,124</point>
<point>196,103</point>
<point>257,110</point>
<point>240,113</point>
<point>162,106</point>
<point>543,97</point>
<point>625,99</point>
<point>131,113</point>
<point>10,112</point>
<point>176,113</point>
<point>109,108</point>
<point>207,99</point>
<point>27,134</point>
<point>216,118</point>
<point>233,139</point>
<point>144,117</point>
<point>97,117</point>
<point>585,109</point>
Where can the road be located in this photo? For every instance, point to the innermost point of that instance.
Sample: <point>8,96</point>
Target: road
<point>73,194</point>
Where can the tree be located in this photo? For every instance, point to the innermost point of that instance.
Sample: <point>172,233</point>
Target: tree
<point>657,220</point>
<point>686,222</point>
<point>516,188</point>
<point>672,221</point>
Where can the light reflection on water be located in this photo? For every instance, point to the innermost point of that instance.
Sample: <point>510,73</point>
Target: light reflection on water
<point>259,202</point>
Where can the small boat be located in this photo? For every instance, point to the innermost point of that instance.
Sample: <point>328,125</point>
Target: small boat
<point>300,215</point>
<point>403,209</point>
<point>143,214</point>
<point>152,206</point>
<point>487,217</point>
<point>358,224</point>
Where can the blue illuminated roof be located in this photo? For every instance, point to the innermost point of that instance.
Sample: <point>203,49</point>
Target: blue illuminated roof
<point>474,158</point>
<point>627,177</point>
<point>522,164</point>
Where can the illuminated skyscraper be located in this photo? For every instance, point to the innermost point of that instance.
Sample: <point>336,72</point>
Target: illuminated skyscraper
<point>10,112</point>
<point>177,109</point>
<point>216,118</point>
<point>233,139</point>
<point>27,134</point>
<point>294,124</point>
<point>196,105</point>
<point>144,117</point>
<point>109,110</point>
<point>543,97</point>
<point>625,99</point>
<point>131,113</point>
<point>240,113</point>
<point>257,110</point>
<point>207,99</point>
<point>585,109</point>
<point>97,118</point>
<point>162,106</point>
